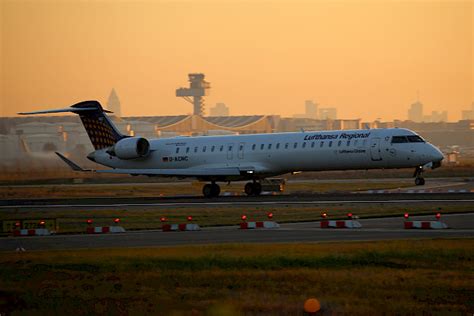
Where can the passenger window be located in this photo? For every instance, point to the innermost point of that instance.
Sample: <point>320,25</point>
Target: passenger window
<point>295,145</point>
<point>399,139</point>
<point>304,145</point>
<point>262,146</point>
<point>348,143</point>
<point>312,144</point>
<point>187,149</point>
<point>253,146</point>
<point>230,148</point>
<point>286,145</point>
<point>339,143</point>
<point>212,148</point>
<point>330,143</point>
<point>321,144</point>
<point>222,148</point>
<point>204,149</point>
<point>278,146</point>
<point>241,147</point>
<point>177,150</point>
<point>269,146</point>
<point>195,149</point>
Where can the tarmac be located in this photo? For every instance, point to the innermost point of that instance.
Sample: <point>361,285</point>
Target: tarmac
<point>460,226</point>
<point>300,199</point>
<point>448,191</point>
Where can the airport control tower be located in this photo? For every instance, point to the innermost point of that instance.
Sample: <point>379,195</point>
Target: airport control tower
<point>198,88</point>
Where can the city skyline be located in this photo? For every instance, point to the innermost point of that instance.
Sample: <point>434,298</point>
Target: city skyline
<point>367,59</point>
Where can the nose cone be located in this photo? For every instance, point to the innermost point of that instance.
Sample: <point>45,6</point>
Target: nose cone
<point>436,156</point>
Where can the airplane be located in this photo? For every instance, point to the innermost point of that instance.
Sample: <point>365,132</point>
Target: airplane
<point>248,157</point>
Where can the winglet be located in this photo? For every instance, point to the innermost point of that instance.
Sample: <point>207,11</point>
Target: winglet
<point>71,164</point>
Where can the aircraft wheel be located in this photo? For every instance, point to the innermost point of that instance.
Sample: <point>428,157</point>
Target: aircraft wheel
<point>215,190</point>
<point>249,188</point>
<point>253,188</point>
<point>207,190</point>
<point>420,181</point>
<point>257,188</point>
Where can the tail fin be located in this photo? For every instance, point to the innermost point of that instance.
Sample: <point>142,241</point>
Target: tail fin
<point>102,132</point>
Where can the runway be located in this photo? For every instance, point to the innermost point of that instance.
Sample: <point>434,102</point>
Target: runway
<point>313,199</point>
<point>461,226</point>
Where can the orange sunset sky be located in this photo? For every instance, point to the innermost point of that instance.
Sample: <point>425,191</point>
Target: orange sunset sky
<point>367,58</point>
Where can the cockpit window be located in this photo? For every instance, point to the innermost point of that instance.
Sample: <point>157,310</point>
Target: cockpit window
<point>399,139</point>
<point>407,139</point>
<point>415,139</point>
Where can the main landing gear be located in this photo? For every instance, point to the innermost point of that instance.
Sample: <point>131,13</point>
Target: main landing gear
<point>419,180</point>
<point>253,188</point>
<point>211,190</point>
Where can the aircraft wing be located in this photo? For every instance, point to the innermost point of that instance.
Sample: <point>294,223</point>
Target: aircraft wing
<point>189,172</point>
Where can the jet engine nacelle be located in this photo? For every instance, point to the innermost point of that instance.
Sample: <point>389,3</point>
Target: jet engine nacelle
<point>131,148</point>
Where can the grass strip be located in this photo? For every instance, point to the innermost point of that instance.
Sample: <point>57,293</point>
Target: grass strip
<point>359,278</point>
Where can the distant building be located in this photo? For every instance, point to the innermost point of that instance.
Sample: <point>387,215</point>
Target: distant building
<point>219,110</point>
<point>436,117</point>
<point>415,112</point>
<point>346,124</point>
<point>113,104</point>
<point>327,113</point>
<point>468,114</point>
<point>311,109</point>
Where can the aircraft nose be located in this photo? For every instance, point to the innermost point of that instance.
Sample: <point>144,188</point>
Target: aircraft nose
<point>436,157</point>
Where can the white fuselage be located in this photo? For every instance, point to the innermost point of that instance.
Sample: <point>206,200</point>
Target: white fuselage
<point>261,155</point>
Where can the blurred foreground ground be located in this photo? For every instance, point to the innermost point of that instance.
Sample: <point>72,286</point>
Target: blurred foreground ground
<point>357,278</point>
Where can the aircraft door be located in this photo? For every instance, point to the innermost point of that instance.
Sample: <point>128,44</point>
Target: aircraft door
<point>241,150</point>
<point>375,152</point>
<point>230,149</point>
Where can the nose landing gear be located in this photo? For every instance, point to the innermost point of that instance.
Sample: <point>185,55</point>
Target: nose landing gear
<point>419,180</point>
<point>211,190</point>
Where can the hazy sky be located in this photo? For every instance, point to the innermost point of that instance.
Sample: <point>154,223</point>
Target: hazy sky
<point>367,58</point>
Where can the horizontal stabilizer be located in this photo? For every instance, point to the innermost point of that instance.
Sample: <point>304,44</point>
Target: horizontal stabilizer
<point>68,109</point>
